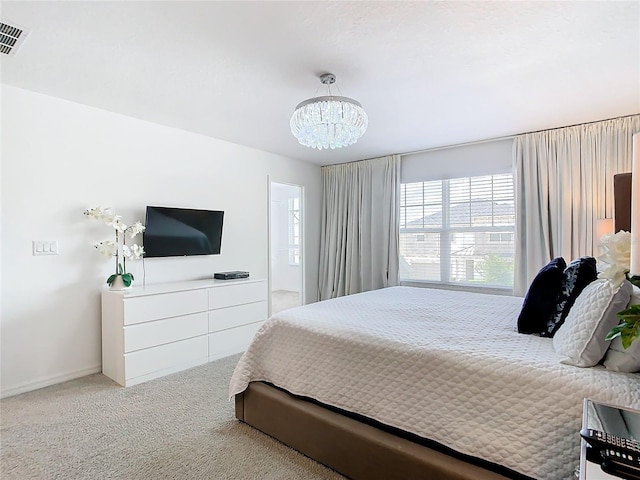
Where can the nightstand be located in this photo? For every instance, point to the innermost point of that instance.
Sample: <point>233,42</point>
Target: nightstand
<point>613,419</point>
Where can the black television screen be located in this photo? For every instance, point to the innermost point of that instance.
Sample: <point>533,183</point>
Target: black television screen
<point>173,232</point>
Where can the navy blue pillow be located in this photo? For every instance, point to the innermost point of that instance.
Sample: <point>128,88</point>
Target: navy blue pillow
<point>578,274</point>
<point>540,302</point>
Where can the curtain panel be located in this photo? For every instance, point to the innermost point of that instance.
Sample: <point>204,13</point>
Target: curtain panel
<point>564,183</point>
<point>360,227</point>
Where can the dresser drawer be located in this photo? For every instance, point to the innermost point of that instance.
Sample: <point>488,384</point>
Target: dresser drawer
<point>233,340</point>
<point>230,317</point>
<point>150,360</point>
<point>229,295</point>
<point>159,332</point>
<point>154,307</point>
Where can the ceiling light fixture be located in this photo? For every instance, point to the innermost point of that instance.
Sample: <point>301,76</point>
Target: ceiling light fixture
<point>329,121</point>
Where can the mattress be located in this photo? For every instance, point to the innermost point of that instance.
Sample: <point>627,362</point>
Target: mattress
<point>444,365</point>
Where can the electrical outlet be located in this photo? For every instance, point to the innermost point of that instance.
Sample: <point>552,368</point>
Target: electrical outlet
<point>45,247</point>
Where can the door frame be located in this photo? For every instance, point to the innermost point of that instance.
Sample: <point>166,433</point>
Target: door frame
<point>303,262</point>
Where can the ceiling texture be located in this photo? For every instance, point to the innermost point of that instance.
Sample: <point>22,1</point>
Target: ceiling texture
<point>429,74</point>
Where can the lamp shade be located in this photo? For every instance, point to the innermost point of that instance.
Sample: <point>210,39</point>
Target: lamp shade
<point>603,226</point>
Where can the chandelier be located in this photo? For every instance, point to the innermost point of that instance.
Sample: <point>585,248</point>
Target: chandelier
<point>329,121</point>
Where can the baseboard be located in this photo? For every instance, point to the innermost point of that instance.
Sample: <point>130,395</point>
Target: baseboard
<point>48,381</point>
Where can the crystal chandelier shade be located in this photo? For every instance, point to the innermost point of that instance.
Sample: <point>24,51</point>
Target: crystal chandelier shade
<point>329,121</point>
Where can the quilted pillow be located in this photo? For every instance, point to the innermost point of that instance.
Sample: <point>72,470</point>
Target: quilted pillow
<point>578,274</point>
<point>620,359</point>
<point>540,302</point>
<point>580,340</point>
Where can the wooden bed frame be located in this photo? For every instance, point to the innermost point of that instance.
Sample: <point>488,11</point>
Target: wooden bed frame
<point>363,450</point>
<point>349,446</point>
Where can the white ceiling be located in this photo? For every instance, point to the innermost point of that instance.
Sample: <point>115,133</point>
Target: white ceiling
<point>428,74</point>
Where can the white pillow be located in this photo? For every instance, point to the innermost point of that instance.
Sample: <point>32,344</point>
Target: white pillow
<point>620,359</point>
<point>580,340</point>
<point>635,296</point>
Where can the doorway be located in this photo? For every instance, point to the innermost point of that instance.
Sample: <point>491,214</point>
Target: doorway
<point>286,244</point>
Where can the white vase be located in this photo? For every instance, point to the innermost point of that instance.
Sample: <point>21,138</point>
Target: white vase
<point>118,284</point>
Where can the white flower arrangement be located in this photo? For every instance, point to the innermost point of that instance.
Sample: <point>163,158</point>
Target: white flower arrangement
<point>616,257</point>
<point>118,249</point>
<point>616,264</point>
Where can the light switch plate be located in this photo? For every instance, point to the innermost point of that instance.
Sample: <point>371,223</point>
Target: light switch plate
<point>45,247</point>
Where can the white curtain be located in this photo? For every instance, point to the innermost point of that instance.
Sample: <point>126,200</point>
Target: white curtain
<point>360,215</point>
<point>564,183</point>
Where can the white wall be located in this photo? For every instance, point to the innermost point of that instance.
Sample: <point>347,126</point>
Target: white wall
<point>58,158</point>
<point>283,275</point>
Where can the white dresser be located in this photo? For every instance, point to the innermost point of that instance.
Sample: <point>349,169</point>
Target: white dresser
<point>148,332</point>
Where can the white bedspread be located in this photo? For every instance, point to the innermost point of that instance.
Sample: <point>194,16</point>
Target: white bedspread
<point>445,365</point>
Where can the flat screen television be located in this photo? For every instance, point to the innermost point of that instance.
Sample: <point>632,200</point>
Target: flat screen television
<point>174,232</point>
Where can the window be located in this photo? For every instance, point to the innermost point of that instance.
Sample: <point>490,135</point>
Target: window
<point>500,237</point>
<point>294,230</point>
<point>458,231</point>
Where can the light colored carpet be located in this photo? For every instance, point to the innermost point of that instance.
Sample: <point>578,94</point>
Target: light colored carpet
<point>283,300</point>
<point>177,427</point>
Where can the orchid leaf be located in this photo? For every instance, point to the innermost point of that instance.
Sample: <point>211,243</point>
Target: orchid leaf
<point>630,313</point>
<point>127,278</point>
<point>629,329</point>
<point>629,336</point>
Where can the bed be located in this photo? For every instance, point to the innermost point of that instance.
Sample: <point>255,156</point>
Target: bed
<point>448,367</point>
<point>409,382</point>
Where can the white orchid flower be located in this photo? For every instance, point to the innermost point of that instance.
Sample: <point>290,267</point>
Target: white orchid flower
<point>107,248</point>
<point>116,222</point>
<point>105,214</point>
<point>137,251</point>
<point>99,213</point>
<point>118,248</point>
<point>136,228</point>
<point>134,252</point>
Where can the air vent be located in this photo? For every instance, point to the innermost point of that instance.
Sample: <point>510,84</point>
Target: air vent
<point>11,37</point>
